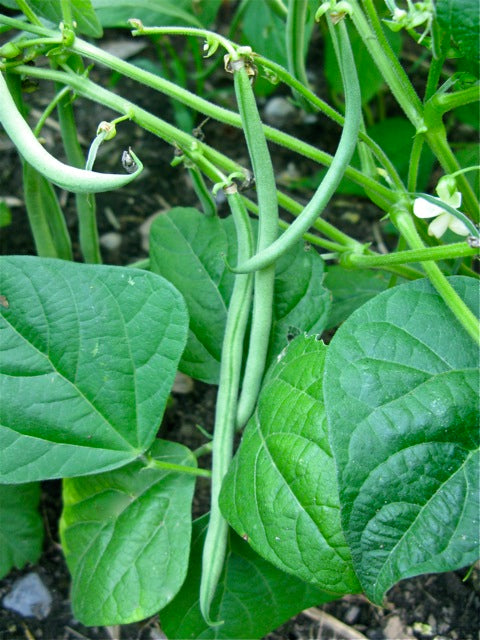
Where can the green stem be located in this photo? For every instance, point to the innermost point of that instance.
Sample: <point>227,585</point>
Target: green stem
<point>413,166</point>
<point>203,193</point>
<point>322,106</point>
<point>29,14</point>
<point>437,139</point>
<point>179,468</point>
<point>447,252</point>
<point>387,62</point>
<point>175,137</point>
<point>427,121</point>
<point>336,170</point>
<point>85,202</point>
<point>447,101</point>
<point>404,222</point>
<point>386,196</point>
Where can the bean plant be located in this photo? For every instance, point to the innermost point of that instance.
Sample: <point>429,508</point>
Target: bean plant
<point>357,462</point>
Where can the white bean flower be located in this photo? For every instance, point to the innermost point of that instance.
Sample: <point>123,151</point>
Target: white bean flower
<point>443,220</point>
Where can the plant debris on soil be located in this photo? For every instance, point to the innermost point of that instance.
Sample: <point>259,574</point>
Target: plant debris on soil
<point>430,607</point>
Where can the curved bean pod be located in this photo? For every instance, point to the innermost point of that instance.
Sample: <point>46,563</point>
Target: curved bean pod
<point>230,370</point>
<point>330,182</point>
<point>63,175</point>
<point>267,233</point>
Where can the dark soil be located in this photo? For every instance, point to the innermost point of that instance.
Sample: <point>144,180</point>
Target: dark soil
<point>431,607</point>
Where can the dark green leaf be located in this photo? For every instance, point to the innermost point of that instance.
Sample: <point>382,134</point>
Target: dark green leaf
<point>402,400</point>
<point>126,537</point>
<point>461,20</point>
<point>253,597</point>
<point>89,354</point>
<point>281,489</point>
<point>21,527</point>
<point>187,248</point>
<point>301,302</point>
<point>82,11</point>
<point>350,289</point>
<point>153,13</point>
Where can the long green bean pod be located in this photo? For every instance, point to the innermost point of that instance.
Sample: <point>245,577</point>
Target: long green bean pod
<point>346,147</point>
<point>267,233</point>
<point>295,41</point>
<point>230,371</point>
<point>63,175</point>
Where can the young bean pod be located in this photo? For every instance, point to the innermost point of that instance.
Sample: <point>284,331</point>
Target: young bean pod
<point>346,147</point>
<point>230,370</point>
<point>267,233</point>
<point>65,176</point>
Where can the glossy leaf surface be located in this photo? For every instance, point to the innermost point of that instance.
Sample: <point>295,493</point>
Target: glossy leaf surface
<point>126,537</point>
<point>88,358</point>
<point>252,597</point>
<point>281,489</point>
<point>402,400</point>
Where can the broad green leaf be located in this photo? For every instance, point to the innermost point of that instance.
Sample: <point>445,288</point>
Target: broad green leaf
<point>126,537</point>
<point>281,489</point>
<point>153,13</point>
<point>461,20</point>
<point>350,289</point>
<point>402,400</point>
<point>253,597</point>
<point>88,358</point>
<point>187,248</point>
<point>301,302</point>
<point>82,11</point>
<point>21,527</point>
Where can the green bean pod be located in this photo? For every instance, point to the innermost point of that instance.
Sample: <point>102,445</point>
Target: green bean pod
<point>45,216</point>
<point>295,41</point>
<point>65,176</point>
<point>230,371</point>
<point>330,182</point>
<point>267,233</point>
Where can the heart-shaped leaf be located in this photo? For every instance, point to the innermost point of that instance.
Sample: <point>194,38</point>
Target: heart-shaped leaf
<point>89,355</point>
<point>301,302</point>
<point>350,289</point>
<point>402,400</point>
<point>189,249</point>
<point>253,597</point>
<point>126,537</point>
<point>281,490</point>
<point>21,527</point>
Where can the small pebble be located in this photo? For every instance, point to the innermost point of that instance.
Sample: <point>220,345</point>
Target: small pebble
<point>279,111</point>
<point>111,241</point>
<point>29,597</point>
<point>352,614</point>
<point>182,383</point>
